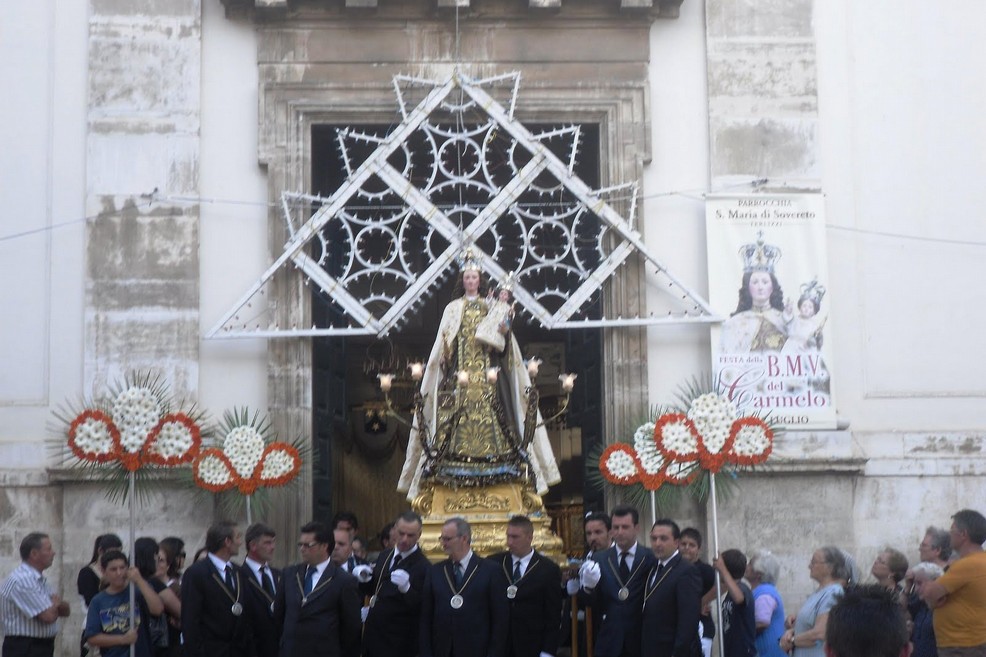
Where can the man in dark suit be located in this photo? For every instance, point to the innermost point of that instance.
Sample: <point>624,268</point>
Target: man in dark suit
<point>531,584</point>
<point>213,621</point>
<point>597,526</point>
<point>395,586</point>
<point>613,582</point>
<point>317,605</point>
<point>672,598</point>
<point>463,610</point>
<point>261,583</point>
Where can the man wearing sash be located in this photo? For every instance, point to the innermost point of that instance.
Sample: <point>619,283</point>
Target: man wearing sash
<point>463,609</point>
<point>531,584</point>
<point>212,620</point>
<point>672,598</point>
<point>317,605</point>
<point>613,583</point>
<point>395,586</point>
<point>260,586</point>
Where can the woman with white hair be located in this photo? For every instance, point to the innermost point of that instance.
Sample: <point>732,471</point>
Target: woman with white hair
<point>922,630</point>
<point>762,573</point>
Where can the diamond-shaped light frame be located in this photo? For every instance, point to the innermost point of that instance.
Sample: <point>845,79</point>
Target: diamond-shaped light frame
<point>464,225</point>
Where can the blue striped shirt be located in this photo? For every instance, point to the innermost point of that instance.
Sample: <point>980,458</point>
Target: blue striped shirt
<point>24,595</point>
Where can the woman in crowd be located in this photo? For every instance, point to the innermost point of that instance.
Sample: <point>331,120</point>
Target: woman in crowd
<point>153,567</point>
<point>762,573</point>
<point>922,632</point>
<point>889,569</point>
<point>805,636</point>
<point>173,551</point>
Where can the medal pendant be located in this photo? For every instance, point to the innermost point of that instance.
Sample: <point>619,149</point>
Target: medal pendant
<point>373,600</point>
<point>511,592</point>
<point>624,594</point>
<point>456,601</point>
<point>272,607</point>
<point>236,609</point>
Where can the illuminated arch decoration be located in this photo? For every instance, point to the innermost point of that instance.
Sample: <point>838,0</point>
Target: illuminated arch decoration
<point>459,170</point>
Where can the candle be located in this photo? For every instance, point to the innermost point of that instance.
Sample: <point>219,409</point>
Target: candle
<point>417,370</point>
<point>386,380</point>
<point>462,378</point>
<point>567,381</point>
<point>491,374</point>
<point>532,366</point>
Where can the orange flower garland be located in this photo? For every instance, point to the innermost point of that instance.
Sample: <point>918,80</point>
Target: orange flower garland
<point>85,441</point>
<point>175,440</point>
<point>751,440</point>
<point>618,464</point>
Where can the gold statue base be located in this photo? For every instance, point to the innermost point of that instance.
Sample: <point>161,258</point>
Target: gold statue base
<point>487,509</point>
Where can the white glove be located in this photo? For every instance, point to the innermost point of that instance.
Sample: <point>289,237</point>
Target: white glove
<point>589,575</point>
<point>545,654</point>
<point>572,586</point>
<point>401,579</point>
<point>363,613</point>
<point>363,572</point>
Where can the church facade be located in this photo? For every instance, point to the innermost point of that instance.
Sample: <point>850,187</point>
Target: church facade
<point>149,144</point>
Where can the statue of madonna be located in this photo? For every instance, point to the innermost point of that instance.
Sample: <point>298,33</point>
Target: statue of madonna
<point>479,425</point>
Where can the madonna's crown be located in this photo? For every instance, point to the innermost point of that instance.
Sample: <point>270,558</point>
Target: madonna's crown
<point>759,256</point>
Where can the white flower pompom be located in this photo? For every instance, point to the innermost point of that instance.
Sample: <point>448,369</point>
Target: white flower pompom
<point>713,417</point>
<point>244,446</point>
<point>135,412</point>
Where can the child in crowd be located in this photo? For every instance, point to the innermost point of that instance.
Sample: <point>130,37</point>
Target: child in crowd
<point>739,628</point>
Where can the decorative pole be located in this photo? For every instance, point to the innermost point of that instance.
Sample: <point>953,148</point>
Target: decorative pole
<point>715,551</point>
<point>132,487</point>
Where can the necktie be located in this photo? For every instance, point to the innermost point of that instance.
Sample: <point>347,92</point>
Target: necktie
<point>397,560</point>
<point>658,572</point>
<point>624,568</point>
<point>351,564</point>
<point>310,579</point>
<point>516,571</point>
<point>458,574</point>
<point>266,582</point>
<point>230,582</point>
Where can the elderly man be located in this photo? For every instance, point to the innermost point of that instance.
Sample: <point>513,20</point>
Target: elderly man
<point>867,621</point>
<point>463,610</point>
<point>29,609</point>
<point>959,596</point>
<point>936,547</point>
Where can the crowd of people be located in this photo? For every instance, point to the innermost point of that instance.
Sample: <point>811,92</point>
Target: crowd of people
<point>622,600</point>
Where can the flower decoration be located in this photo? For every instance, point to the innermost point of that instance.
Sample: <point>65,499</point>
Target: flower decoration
<point>92,436</point>
<point>713,417</point>
<point>619,464</point>
<point>752,441</point>
<point>213,471</point>
<point>677,437</point>
<point>175,440</point>
<point>677,446</point>
<point>133,427</point>
<point>245,460</point>
<point>649,457</point>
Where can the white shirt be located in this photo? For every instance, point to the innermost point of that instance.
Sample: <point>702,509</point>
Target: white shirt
<point>631,554</point>
<point>404,555</point>
<point>221,566</point>
<point>319,569</point>
<point>525,561</point>
<point>24,595</point>
<point>256,568</point>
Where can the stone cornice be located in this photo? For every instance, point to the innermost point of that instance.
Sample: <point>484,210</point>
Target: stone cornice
<point>277,11</point>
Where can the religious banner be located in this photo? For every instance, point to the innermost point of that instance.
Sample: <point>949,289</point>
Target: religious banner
<point>768,277</point>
